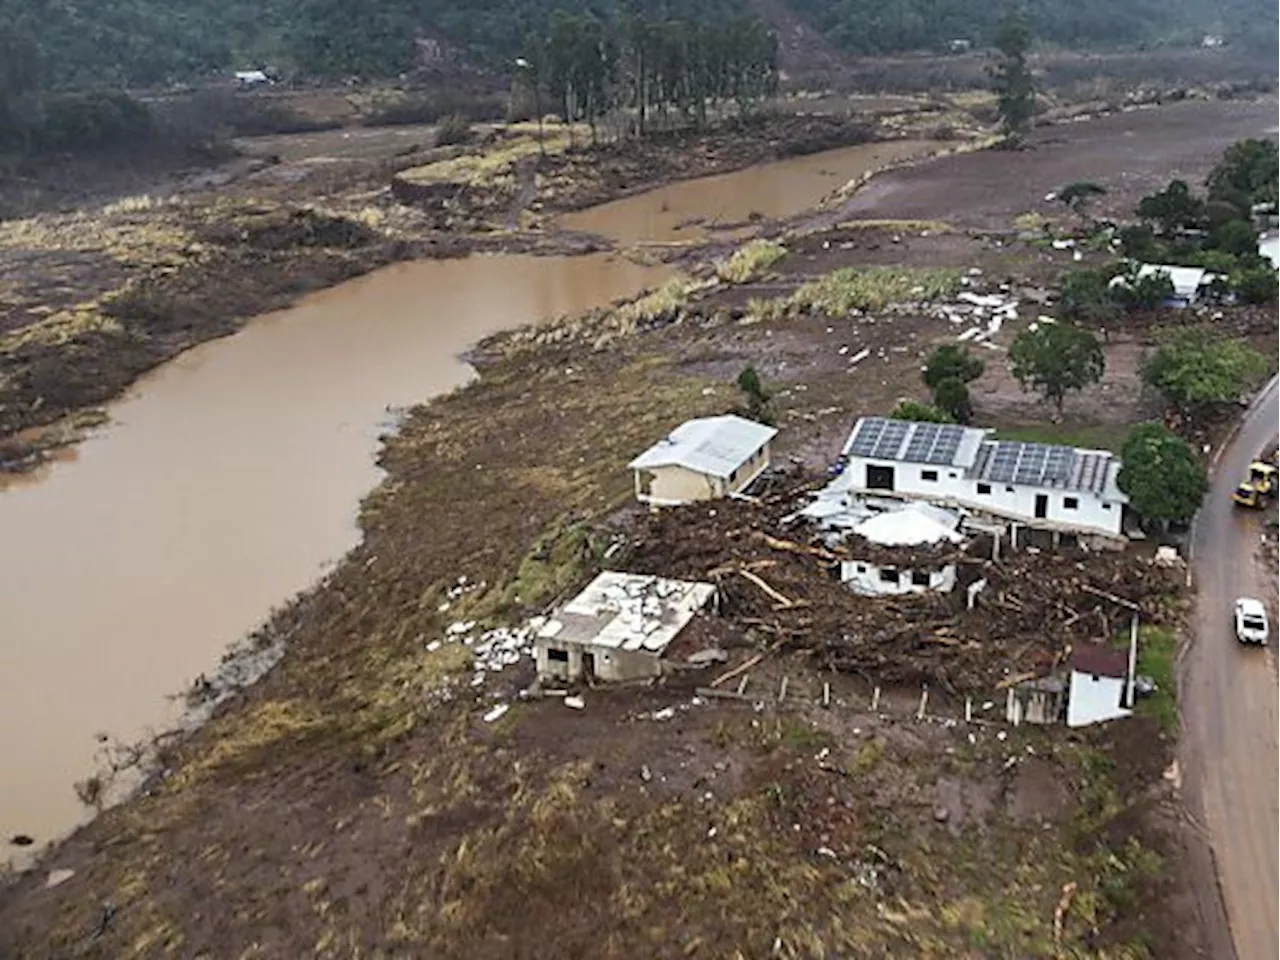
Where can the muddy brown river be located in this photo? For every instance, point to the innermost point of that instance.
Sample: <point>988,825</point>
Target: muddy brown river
<point>228,479</point>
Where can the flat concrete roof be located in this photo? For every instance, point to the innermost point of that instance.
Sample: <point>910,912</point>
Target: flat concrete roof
<point>627,611</point>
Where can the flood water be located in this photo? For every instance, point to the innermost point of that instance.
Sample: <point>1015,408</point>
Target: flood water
<point>225,482</point>
<point>229,478</point>
<point>770,190</point>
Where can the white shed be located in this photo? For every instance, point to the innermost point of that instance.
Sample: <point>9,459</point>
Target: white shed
<point>1041,485</point>
<point>1099,676</point>
<point>916,525</point>
<point>702,459</point>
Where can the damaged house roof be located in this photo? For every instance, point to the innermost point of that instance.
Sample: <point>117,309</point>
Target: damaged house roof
<point>919,523</point>
<point>628,611</point>
<point>716,446</point>
<point>1099,661</point>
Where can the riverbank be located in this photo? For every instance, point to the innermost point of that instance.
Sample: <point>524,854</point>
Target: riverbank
<point>101,296</point>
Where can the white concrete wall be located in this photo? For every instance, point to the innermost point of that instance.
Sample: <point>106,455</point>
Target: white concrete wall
<point>1094,699</point>
<point>611,665</point>
<point>1008,500</point>
<point>865,578</point>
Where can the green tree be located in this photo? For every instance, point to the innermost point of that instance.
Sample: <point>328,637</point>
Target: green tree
<point>1138,242</point>
<point>1085,298</point>
<point>759,400</point>
<point>1236,237</point>
<point>1160,475</point>
<point>1143,291</point>
<point>1249,167</point>
<point>1196,368</point>
<point>1256,284</point>
<point>1173,209</point>
<point>1011,77</point>
<point>1055,358</point>
<point>950,360</point>
<point>920,412</point>
<point>952,397</point>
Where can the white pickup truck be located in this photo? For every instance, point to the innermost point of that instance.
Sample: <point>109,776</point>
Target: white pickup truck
<point>1251,621</point>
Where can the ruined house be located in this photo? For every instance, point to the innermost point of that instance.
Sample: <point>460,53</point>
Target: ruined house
<point>870,573</point>
<point>1099,676</point>
<point>1043,486</point>
<point>618,628</point>
<point>702,459</point>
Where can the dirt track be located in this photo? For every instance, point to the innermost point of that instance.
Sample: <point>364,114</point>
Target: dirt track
<point>1128,153</point>
<point>1229,700</point>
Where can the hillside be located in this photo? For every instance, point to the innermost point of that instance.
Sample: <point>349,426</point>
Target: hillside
<point>150,42</point>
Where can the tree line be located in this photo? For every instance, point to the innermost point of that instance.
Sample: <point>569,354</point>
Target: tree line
<point>648,70</point>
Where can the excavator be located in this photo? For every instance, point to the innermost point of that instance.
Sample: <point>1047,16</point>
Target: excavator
<point>1257,487</point>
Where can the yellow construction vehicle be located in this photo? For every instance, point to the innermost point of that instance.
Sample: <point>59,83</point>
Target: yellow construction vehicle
<point>1260,485</point>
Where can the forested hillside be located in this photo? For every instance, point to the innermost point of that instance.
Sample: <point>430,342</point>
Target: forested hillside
<point>97,43</point>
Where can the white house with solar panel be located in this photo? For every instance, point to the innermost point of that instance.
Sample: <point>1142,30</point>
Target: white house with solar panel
<point>702,459</point>
<point>1040,485</point>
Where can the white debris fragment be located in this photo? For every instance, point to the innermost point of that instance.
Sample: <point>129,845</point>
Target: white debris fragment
<point>1063,244</point>
<point>58,877</point>
<point>433,646</point>
<point>666,713</point>
<point>1002,736</point>
<point>712,833</point>
<point>496,713</point>
<point>576,703</point>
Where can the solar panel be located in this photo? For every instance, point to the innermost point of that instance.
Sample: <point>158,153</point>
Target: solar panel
<point>1060,463</point>
<point>890,441</point>
<point>922,440</point>
<point>946,446</point>
<point>864,442</point>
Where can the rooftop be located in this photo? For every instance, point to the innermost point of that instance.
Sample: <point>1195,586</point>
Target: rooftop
<point>916,524</point>
<point>996,461</point>
<point>1099,661</point>
<point>716,446</point>
<point>1044,465</point>
<point>942,444</point>
<point>627,611</point>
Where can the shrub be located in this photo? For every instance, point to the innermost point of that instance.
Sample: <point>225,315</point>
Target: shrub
<point>952,397</point>
<point>920,412</point>
<point>951,362</point>
<point>1197,367</point>
<point>452,129</point>
<point>1143,292</point>
<point>749,261</point>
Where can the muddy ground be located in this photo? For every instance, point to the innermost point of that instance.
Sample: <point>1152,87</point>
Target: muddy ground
<point>1129,153</point>
<point>355,801</point>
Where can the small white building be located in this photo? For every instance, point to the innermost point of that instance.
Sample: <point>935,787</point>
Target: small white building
<point>702,459</point>
<point>617,628</point>
<point>1099,676</point>
<point>251,78</point>
<point>1190,284</point>
<point>916,525</point>
<point>1040,485</point>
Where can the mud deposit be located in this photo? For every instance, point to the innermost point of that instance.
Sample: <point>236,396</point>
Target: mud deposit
<point>225,483</point>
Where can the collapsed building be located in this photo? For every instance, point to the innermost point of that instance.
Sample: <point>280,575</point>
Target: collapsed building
<point>618,628</point>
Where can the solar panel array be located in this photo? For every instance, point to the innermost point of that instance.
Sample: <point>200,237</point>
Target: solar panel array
<point>881,439</point>
<point>1033,464</point>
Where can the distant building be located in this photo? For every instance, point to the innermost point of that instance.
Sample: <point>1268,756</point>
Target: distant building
<point>618,628</point>
<point>1099,676</point>
<point>1213,41</point>
<point>251,78</point>
<point>1190,284</point>
<point>960,46</point>
<point>916,525</point>
<point>702,460</point>
<point>1039,485</point>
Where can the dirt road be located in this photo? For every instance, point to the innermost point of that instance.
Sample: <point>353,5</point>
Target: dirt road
<point>1229,698</point>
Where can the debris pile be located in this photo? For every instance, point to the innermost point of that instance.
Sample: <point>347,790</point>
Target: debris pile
<point>1034,606</point>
